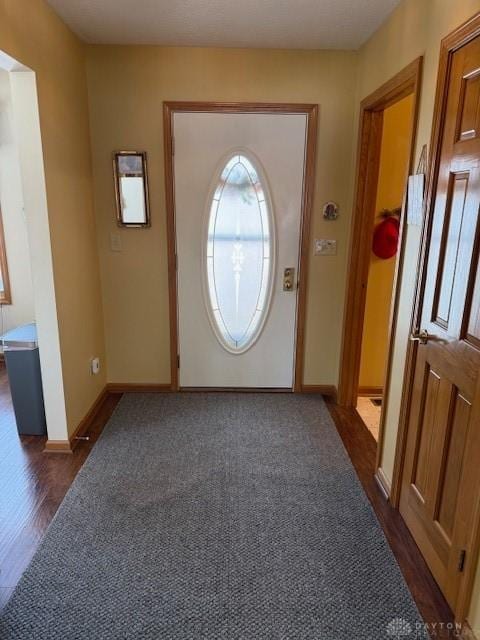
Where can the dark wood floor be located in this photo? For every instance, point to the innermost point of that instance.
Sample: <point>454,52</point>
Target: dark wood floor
<point>361,447</point>
<point>33,484</point>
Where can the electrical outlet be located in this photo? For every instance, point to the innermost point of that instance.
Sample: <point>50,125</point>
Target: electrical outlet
<point>325,247</point>
<point>94,366</point>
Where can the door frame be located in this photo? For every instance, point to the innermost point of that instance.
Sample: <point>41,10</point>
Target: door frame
<point>451,43</point>
<point>311,111</point>
<point>406,82</point>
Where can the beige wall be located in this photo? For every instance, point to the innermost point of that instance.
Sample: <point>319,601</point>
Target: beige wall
<point>126,88</point>
<point>394,156</point>
<point>415,28</point>
<point>31,33</point>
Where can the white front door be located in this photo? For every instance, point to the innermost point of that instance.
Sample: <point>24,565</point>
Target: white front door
<point>238,197</point>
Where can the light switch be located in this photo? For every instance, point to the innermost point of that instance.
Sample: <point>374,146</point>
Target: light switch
<point>115,241</point>
<point>325,247</point>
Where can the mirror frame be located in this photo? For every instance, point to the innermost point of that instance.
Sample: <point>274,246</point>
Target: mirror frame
<point>119,213</point>
<point>6,294</point>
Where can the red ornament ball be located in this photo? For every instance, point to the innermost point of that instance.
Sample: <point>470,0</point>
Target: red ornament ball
<point>385,238</point>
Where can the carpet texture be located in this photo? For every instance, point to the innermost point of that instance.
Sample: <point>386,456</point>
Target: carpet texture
<point>214,516</point>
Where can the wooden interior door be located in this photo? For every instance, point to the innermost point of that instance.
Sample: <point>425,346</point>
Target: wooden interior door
<point>440,481</point>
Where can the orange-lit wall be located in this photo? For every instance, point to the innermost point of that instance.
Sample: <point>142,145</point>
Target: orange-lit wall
<point>391,183</point>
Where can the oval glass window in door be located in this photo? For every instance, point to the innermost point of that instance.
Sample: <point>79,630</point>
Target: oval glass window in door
<point>240,254</point>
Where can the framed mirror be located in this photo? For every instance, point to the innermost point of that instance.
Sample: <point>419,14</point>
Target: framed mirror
<point>131,188</point>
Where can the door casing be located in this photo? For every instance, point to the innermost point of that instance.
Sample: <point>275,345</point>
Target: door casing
<point>311,111</point>
<point>404,83</point>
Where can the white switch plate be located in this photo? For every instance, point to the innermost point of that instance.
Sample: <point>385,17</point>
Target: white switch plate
<point>115,241</point>
<point>325,247</point>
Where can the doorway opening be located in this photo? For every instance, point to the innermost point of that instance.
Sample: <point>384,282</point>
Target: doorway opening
<point>392,173</point>
<point>385,158</point>
<point>16,289</point>
<point>27,293</point>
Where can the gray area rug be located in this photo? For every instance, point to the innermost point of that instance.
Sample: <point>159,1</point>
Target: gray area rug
<point>217,516</point>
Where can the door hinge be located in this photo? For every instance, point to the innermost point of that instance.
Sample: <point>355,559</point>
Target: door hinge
<point>178,362</point>
<point>461,560</point>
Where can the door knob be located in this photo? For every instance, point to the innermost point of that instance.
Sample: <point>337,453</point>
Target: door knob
<point>420,336</point>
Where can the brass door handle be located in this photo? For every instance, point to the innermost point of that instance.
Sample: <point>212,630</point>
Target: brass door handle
<point>420,336</point>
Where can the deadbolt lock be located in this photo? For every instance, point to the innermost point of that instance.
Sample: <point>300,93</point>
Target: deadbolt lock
<point>289,279</point>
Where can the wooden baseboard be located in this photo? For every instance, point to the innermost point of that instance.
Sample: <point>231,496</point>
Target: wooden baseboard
<point>383,482</point>
<point>89,418</point>
<point>135,387</point>
<point>328,390</point>
<point>68,446</point>
<point>370,391</point>
<point>58,446</point>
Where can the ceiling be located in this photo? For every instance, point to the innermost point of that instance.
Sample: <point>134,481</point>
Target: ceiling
<point>283,24</point>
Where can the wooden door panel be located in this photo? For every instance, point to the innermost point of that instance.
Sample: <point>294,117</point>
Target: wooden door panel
<point>430,506</point>
<point>450,249</point>
<point>430,388</point>
<point>469,112</point>
<point>436,500</point>
<point>450,475</point>
<point>444,356</point>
